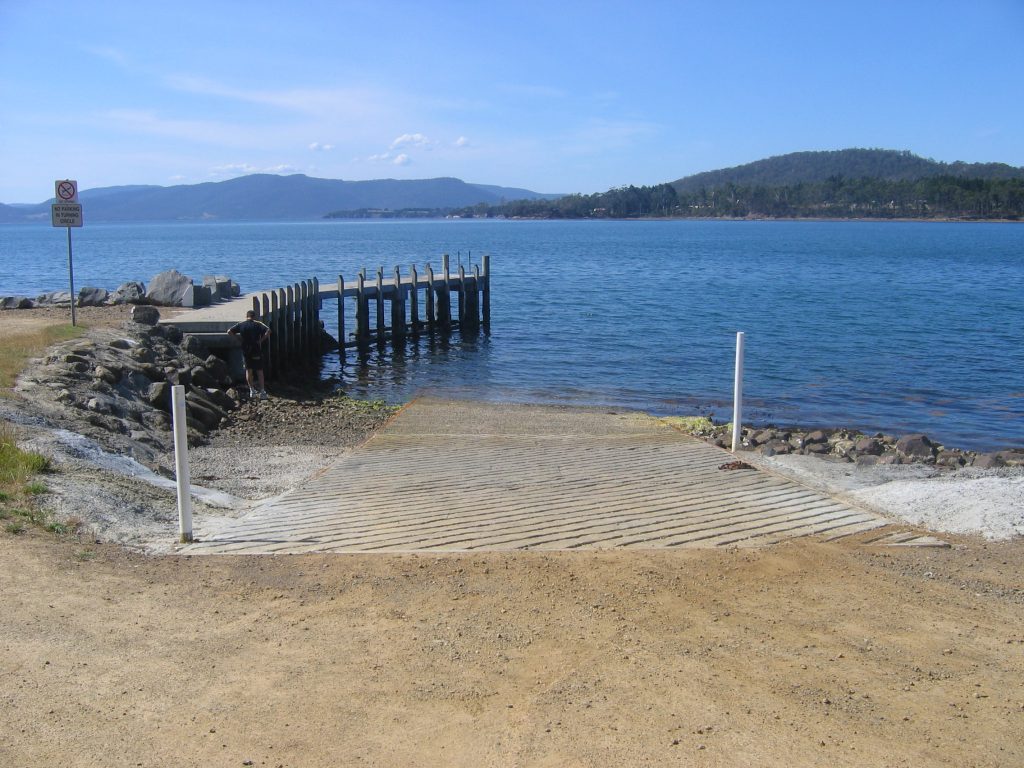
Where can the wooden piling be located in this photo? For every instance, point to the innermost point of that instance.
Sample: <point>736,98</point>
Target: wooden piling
<point>271,362</point>
<point>380,306</point>
<point>430,296</point>
<point>414,302</point>
<point>362,310</point>
<point>341,316</point>
<point>486,291</point>
<point>462,297</point>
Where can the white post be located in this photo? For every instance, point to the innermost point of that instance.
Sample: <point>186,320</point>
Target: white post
<point>181,463</point>
<point>737,402</point>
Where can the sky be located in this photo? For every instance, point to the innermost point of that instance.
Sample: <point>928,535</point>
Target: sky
<point>550,96</point>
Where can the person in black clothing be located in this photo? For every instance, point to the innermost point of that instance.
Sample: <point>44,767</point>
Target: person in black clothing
<point>252,333</point>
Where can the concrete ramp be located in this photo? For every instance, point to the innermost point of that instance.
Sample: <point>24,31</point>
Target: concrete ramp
<point>472,476</point>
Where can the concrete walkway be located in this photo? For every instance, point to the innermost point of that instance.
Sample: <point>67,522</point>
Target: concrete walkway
<point>470,476</point>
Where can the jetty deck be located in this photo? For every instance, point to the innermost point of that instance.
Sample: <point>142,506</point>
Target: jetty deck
<point>447,476</point>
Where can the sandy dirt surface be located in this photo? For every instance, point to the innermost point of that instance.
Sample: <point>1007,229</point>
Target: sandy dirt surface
<point>802,654</point>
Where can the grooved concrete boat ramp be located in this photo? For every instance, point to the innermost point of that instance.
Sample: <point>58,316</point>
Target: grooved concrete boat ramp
<point>472,476</point>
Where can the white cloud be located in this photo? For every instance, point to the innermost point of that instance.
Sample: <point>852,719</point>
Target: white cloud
<point>402,159</point>
<point>412,140</point>
<point>383,157</point>
<point>316,146</point>
<point>462,141</point>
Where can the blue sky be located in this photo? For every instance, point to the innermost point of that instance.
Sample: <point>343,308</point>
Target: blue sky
<point>554,97</point>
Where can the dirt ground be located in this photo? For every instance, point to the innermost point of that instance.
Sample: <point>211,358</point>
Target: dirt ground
<point>804,654</point>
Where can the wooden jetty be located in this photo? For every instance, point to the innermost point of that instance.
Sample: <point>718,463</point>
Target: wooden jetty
<point>387,308</point>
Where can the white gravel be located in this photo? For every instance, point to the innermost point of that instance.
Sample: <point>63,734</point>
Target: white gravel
<point>989,503</point>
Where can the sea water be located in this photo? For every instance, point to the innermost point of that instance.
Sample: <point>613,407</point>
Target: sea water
<point>883,326</point>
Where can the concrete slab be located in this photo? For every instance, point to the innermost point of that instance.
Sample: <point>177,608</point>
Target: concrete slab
<point>472,476</point>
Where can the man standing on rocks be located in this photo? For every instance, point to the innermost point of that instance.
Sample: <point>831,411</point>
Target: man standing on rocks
<point>252,333</point>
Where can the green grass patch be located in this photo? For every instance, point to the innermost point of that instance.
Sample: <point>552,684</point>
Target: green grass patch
<point>15,527</point>
<point>35,488</point>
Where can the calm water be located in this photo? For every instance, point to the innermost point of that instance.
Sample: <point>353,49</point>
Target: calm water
<point>897,327</point>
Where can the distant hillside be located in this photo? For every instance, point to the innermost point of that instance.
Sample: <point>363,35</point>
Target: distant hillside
<point>263,197</point>
<point>814,167</point>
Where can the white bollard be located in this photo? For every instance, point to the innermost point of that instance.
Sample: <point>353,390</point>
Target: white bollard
<point>737,401</point>
<point>181,463</point>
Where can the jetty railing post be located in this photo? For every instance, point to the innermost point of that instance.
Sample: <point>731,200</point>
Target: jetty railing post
<point>317,336</point>
<point>289,308</point>
<point>444,308</point>
<point>256,305</point>
<point>341,316</point>
<point>300,338</point>
<point>474,298</point>
<point>486,288</point>
<point>380,305</point>
<point>265,317</point>
<point>275,338</point>
<point>431,310</point>
<point>737,402</point>
<point>462,297</point>
<point>280,329</point>
<point>362,310</point>
<point>398,308</point>
<point>414,301</point>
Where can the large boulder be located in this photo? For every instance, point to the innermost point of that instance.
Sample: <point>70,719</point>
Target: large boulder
<point>54,298</point>
<point>131,292</point>
<point>168,289</point>
<point>145,314</point>
<point>92,297</point>
<point>16,302</point>
<point>219,285</point>
<point>915,447</point>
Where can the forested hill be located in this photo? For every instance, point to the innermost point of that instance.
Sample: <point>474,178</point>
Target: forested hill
<point>815,167</point>
<point>850,183</point>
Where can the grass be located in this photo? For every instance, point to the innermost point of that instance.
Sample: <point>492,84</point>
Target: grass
<point>17,348</point>
<point>19,488</point>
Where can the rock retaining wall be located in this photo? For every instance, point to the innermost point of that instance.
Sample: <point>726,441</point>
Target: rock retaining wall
<point>167,289</point>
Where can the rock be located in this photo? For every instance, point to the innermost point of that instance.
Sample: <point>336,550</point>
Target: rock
<point>763,437</point>
<point>219,285</point>
<point>121,344</point>
<point>92,297</point>
<point>221,398</point>
<point>1012,458</point>
<point>951,458</point>
<point>158,394</point>
<point>867,460</point>
<point>868,445</point>
<point>915,447</point>
<point>236,290</point>
<point>103,373</point>
<point>817,436</point>
<point>842,447</point>
<point>890,458</point>
<point>202,377</point>
<point>988,461</point>
<point>195,345</point>
<point>817,448</point>
<point>16,302</point>
<point>145,315</point>
<point>168,289</point>
<point>217,367</point>
<point>54,298</point>
<point>132,292</point>
<point>197,296</point>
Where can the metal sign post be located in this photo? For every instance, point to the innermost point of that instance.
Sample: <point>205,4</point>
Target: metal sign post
<point>67,212</point>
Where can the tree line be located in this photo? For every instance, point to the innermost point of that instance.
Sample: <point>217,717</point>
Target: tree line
<point>837,197</point>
